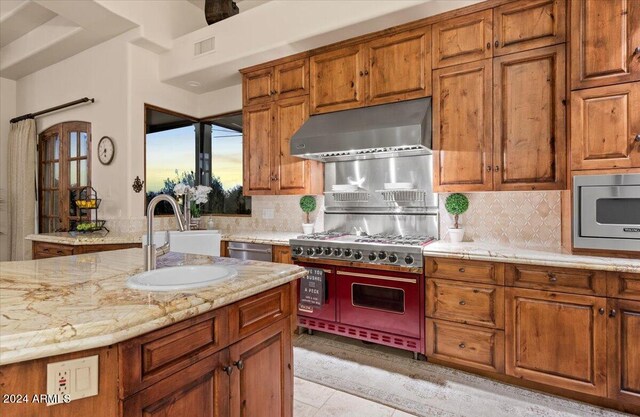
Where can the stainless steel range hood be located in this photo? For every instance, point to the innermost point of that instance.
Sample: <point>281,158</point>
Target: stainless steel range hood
<point>366,133</point>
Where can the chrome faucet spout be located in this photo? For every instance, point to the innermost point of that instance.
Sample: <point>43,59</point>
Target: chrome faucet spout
<point>150,249</point>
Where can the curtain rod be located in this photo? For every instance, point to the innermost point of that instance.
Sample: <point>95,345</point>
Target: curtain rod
<point>49,110</point>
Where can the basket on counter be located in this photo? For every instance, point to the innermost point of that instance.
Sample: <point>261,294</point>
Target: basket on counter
<point>88,201</point>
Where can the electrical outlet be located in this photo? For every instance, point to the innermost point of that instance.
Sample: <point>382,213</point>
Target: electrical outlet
<point>72,380</point>
<point>268,213</point>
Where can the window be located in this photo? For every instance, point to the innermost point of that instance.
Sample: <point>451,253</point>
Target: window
<point>198,152</point>
<point>64,167</point>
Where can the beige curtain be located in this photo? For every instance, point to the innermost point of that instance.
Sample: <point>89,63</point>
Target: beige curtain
<point>22,187</point>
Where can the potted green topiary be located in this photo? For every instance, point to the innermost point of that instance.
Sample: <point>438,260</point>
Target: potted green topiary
<point>307,204</point>
<point>456,204</point>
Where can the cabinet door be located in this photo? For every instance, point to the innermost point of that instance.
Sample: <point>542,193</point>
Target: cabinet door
<point>262,379</point>
<point>462,127</point>
<point>399,67</point>
<point>282,254</point>
<point>258,87</point>
<point>292,79</point>
<point>291,174</point>
<point>623,337</point>
<point>463,39</point>
<point>529,148</point>
<point>556,339</point>
<point>605,42</point>
<point>258,152</point>
<point>605,127</point>
<point>528,24</point>
<point>337,79</point>
<point>201,390</point>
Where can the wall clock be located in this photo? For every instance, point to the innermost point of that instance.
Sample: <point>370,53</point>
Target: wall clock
<point>106,150</point>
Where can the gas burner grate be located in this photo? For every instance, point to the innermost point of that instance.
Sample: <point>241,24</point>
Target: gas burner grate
<point>322,236</point>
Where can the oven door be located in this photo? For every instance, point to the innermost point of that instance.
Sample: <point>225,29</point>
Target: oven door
<point>328,310</point>
<point>379,300</point>
<point>610,212</point>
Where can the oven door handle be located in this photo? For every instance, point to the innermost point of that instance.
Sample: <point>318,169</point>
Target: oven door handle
<point>231,248</point>
<point>380,277</point>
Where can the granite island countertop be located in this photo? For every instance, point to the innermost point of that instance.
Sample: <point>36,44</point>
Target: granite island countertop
<point>482,251</point>
<point>66,304</point>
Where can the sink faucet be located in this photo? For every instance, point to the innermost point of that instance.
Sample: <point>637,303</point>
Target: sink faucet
<point>150,253</point>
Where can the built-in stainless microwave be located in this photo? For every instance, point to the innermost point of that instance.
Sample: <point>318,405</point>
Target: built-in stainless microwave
<point>606,212</point>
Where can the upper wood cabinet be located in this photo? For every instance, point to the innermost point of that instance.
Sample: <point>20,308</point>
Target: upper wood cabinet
<point>286,80</point>
<point>337,79</point>
<point>529,120</point>
<point>462,115</point>
<point>399,67</point>
<point>383,70</point>
<point>464,39</point>
<point>269,167</point>
<point>528,24</point>
<point>623,334</point>
<point>557,339</point>
<point>605,127</point>
<point>605,42</point>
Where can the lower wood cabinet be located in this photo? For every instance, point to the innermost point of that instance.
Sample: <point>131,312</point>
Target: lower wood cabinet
<point>282,254</point>
<point>43,250</point>
<point>557,339</point>
<point>623,350</point>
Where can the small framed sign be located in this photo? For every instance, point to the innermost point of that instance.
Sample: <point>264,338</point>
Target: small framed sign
<point>312,288</point>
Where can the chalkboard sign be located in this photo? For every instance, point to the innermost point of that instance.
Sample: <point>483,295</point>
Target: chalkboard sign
<point>312,288</point>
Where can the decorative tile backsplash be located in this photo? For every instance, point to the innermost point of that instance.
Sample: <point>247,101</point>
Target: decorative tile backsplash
<point>287,217</point>
<point>523,219</point>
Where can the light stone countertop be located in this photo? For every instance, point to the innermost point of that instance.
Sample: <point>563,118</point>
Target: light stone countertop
<point>481,251</point>
<point>67,304</point>
<point>250,236</point>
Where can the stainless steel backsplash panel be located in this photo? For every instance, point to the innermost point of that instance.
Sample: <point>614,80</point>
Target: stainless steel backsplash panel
<point>400,224</point>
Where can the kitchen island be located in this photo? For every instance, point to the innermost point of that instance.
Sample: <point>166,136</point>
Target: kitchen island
<point>211,351</point>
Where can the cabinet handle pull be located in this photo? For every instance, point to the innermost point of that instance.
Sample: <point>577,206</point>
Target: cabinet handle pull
<point>462,345</point>
<point>552,277</point>
<point>462,302</point>
<point>496,44</point>
<point>461,269</point>
<point>488,45</point>
<point>612,313</point>
<point>239,364</point>
<point>228,369</point>
<point>601,311</point>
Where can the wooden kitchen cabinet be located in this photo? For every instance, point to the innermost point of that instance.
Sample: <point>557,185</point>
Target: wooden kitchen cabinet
<point>528,24</point>
<point>462,126</point>
<point>529,146</point>
<point>385,69</point>
<point>605,42</point>
<point>268,165</point>
<point>43,250</point>
<point>463,39</point>
<point>263,370</point>
<point>289,79</point>
<point>605,127</point>
<point>557,339</point>
<point>623,335</point>
<point>282,254</point>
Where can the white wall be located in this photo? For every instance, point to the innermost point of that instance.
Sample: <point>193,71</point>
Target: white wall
<point>7,112</point>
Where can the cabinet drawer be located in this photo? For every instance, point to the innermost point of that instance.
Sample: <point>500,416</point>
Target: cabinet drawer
<point>473,271</point>
<point>623,285</point>
<point>50,250</point>
<point>578,281</point>
<point>478,304</point>
<point>466,345</point>
<point>152,357</point>
<point>257,312</point>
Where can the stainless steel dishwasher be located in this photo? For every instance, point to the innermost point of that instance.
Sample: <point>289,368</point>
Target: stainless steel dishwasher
<point>250,251</point>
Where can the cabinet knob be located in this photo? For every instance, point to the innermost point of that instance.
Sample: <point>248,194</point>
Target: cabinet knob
<point>361,73</point>
<point>496,44</point>
<point>228,369</point>
<point>488,45</point>
<point>462,302</point>
<point>601,311</point>
<point>366,72</point>
<point>497,168</point>
<point>552,277</point>
<point>613,313</point>
<point>636,51</point>
<point>489,168</point>
<point>462,345</point>
<point>637,138</point>
<point>461,270</point>
<point>239,364</point>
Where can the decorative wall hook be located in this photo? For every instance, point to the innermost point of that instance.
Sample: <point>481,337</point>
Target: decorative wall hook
<point>137,184</point>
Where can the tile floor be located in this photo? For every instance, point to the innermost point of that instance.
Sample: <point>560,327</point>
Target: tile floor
<point>314,400</point>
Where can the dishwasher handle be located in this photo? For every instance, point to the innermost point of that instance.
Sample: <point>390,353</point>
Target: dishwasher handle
<point>249,250</point>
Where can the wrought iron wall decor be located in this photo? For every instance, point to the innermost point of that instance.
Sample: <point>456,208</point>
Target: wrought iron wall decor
<point>137,184</point>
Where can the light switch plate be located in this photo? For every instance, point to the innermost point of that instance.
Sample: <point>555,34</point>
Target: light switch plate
<point>72,380</point>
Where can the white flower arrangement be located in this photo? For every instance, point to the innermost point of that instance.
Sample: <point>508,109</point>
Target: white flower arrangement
<point>198,194</point>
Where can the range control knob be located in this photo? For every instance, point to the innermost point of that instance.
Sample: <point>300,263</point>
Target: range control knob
<point>297,250</point>
<point>309,251</point>
<point>348,253</point>
<point>327,251</point>
<point>372,256</point>
<point>382,255</point>
<point>337,252</point>
<point>318,250</point>
<point>393,258</point>
<point>357,255</point>
<point>408,259</point>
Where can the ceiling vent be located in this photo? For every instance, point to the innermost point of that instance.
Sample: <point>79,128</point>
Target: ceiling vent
<point>204,47</point>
